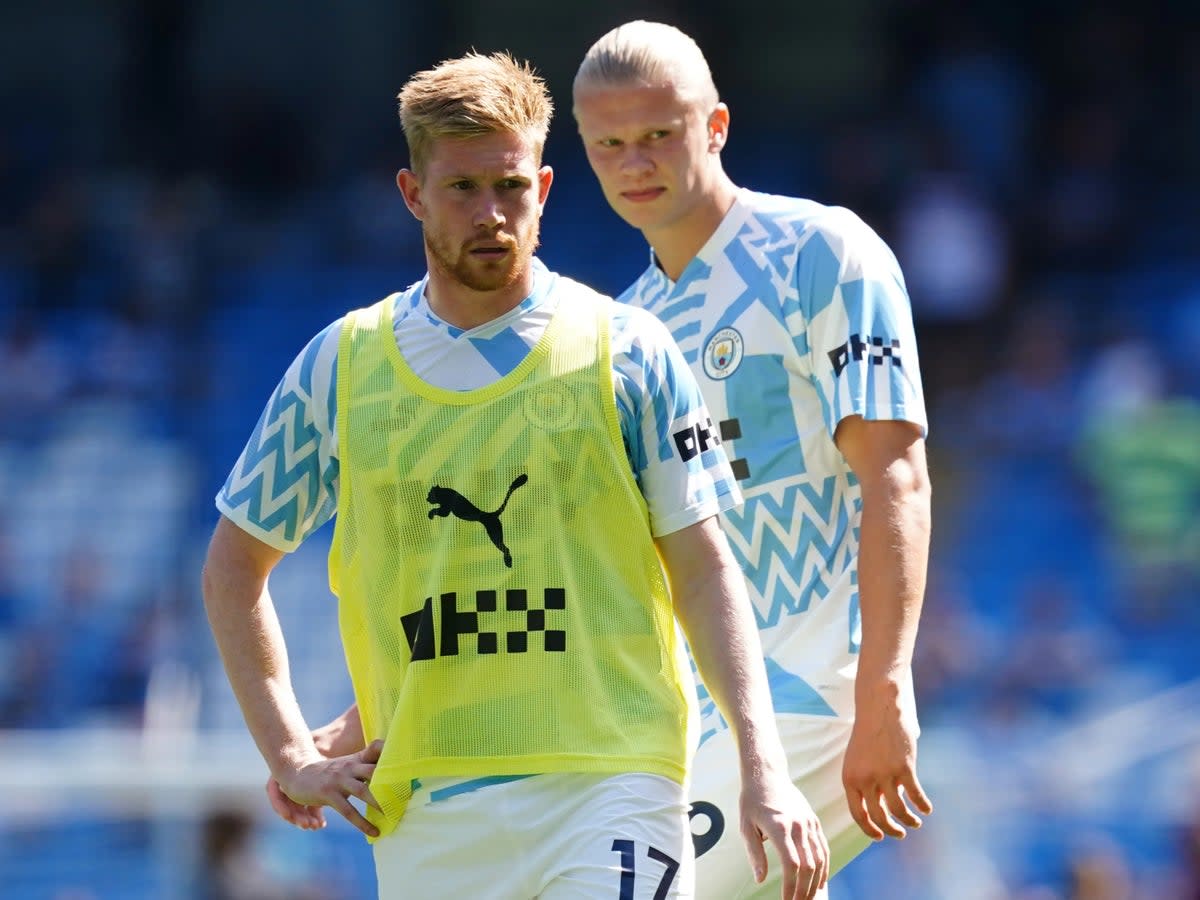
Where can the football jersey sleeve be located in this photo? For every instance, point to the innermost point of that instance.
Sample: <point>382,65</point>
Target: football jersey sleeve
<point>284,485</point>
<point>674,449</point>
<point>859,336</point>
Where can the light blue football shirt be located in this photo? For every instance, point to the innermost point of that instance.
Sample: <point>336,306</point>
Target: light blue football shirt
<point>284,485</point>
<point>793,316</point>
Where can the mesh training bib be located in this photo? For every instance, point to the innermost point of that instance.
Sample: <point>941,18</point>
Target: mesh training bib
<point>502,605</point>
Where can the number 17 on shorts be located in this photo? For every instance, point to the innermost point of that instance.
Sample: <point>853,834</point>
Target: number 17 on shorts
<point>655,864</point>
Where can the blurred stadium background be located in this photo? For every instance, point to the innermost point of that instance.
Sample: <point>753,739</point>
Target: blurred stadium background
<point>189,191</point>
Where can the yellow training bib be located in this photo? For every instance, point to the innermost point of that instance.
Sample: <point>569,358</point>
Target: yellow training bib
<point>502,605</point>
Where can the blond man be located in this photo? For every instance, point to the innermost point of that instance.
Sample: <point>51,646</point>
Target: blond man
<point>796,324</point>
<point>523,513</point>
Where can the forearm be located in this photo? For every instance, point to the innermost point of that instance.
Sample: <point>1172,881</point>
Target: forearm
<point>724,641</point>
<point>247,633</point>
<point>893,558</point>
<point>717,618</point>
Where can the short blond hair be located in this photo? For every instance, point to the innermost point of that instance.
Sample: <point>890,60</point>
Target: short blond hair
<point>471,96</point>
<point>649,53</point>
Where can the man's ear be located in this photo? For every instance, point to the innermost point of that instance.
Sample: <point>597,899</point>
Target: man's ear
<point>718,128</point>
<point>410,189</point>
<point>545,179</point>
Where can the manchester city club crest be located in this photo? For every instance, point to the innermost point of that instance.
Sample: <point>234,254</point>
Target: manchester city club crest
<point>550,407</point>
<point>723,353</point>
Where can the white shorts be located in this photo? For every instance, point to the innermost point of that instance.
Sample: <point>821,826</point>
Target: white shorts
<point>816,746</point>
<point>554,837</point>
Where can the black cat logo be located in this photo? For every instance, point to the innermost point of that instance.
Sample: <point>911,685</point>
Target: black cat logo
<point>447,501</point>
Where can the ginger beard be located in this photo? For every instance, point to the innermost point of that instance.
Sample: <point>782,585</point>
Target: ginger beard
<point>476,267</point>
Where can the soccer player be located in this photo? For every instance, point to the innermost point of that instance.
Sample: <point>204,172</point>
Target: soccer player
<point>794,318</point>
<point>509,455</point>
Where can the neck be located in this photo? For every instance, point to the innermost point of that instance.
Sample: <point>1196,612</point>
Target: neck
<point>463,307</point>
<point>676,244</point>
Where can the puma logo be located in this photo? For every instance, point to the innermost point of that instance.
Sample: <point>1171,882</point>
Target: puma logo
<point>447,501</point>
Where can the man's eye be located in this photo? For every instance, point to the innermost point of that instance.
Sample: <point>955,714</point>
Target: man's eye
<point>610,142</point>
<point>461,186</point>
<point>659,133</point>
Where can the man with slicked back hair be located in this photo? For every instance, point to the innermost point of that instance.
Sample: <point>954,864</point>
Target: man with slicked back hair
<point>794,318</point>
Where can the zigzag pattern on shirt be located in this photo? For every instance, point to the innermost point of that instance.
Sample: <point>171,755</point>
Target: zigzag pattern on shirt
<point>789,547</point>
<point>681,316</point>
<point>687,332</point>
<point>775,240</point>
<point>650,292</point>
<point>278,478</point>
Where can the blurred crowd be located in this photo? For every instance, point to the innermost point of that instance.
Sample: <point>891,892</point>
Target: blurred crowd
<point>1040,187</point>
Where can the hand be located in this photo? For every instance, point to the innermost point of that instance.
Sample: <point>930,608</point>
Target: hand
<point>310,818</point>
<point>778,812</point>
<point>880,771</point>
<point>298,797</point>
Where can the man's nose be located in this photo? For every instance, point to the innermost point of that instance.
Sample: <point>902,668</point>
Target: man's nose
<point>489,214</point>
<point>635,160</point>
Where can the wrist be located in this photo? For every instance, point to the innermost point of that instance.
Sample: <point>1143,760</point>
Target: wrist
<point>295,756</point>
<point>323,740</point>
<point>762,763</point>
<point>889,696</point>
<point>891,680</point>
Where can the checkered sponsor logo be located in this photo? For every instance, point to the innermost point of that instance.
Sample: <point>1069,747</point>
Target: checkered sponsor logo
<point>486,622</point>
<point>878,349</point>
<point>696,439</point>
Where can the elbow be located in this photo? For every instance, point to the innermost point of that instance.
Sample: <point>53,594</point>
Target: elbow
<point>914,491</point>
<point>219,571</point>
<point>907,479</point>
<point>236,564</point>
<point>917,484</point>
<point>216,560</point>
<point>209,584</point>
<point>916,498</point>
<point>206,580</point>
<point>904,491</point>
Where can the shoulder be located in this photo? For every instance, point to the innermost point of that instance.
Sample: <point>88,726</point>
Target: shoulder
<point>775,217</point>
<point>800,219</point>
<point>403,305</point>
<point>634,328</point>
<point>323,351</point>
<point>852,240</point>
<point>843,234</point>
<point>319,354</point>
<point>366,318</point>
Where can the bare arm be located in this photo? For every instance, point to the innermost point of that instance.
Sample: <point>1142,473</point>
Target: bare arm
<point>248,636</point>
<point>888,458</point>
<point>247,633</point>
<point>710,601</point>
<point>341,736</point>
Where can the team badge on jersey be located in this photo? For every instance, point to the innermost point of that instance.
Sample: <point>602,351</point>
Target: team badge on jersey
<point>723,353</point>
<point>551,408</point>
